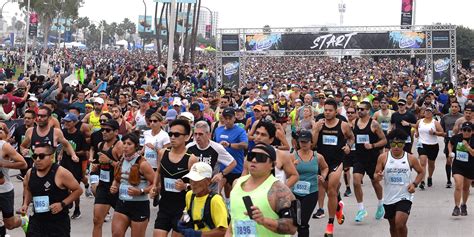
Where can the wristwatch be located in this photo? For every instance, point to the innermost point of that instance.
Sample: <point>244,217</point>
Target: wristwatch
<point>63,205</point>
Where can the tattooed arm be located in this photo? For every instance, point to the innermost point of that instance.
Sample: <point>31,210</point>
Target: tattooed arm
<point>279,197</point>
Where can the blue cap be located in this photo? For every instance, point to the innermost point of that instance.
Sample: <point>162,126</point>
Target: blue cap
<point>70,117</point>
<point>171,114</point>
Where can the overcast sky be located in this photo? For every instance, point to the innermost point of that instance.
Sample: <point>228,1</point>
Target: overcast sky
<point>293,13</point>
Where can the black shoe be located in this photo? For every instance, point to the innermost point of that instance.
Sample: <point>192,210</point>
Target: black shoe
<point>456,211</point>
<point>422,185</point>
<point>76,215</point>
<point>430,182</point>
<point>319,214</point>
<point>449,184</point>
<point>348,192</point>
<point>463,210</point>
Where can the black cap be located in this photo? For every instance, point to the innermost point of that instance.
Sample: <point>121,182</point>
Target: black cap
<point>145,99</point>
<point>194,107</point>
<point>466,125</point>
<point>305,136</point>
<point>468,108</point>
<point>111,123</point>
<point>228,112</point>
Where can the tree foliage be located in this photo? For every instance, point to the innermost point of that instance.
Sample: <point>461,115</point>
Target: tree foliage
<point>465,42</point>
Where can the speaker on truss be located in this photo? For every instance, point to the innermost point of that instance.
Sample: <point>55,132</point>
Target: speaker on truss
<point>466,64</point>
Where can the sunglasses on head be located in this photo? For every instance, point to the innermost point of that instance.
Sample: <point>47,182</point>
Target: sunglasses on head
<point>175,134</point>
<point>397,144</point>
<point>39,156</point>
<point>259,157</point>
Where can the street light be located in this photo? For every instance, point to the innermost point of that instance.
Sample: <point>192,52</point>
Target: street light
<point>212,20</point>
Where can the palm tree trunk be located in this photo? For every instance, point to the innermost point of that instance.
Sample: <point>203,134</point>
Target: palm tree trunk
<point>193,45</point>
<point>186,40</point>
<point>158,31</point>
<point>176,34</point>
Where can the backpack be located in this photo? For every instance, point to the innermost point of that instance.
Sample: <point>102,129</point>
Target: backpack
<point>206,217</point>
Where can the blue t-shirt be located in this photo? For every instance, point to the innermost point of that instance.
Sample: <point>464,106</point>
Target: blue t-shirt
<point>234,135</point>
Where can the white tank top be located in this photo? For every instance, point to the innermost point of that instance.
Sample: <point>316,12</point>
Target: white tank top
<point>7,186</point>
<point>140,119</point>
<point>424,133</point>
<point>397,178</point>
<point>280,175</point>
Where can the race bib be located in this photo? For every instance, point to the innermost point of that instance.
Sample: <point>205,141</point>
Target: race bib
<point>170,185</point>
<point>330,140</point>
<point>245,228</point>
<point>150,156</point>
<point>462,156</point>
<point>353,147</point>
<point>385,126</point>
<point>249,109</point>
<point>104,176</point>
<point>123,192</point>
<point>302,187</point>
<point>396,179</point>
<point>41,204</point>
<point>282,110</point>
<point>94,179</point>
<point>408,140</point>
<point>450,133</point>
<point>362,138</point>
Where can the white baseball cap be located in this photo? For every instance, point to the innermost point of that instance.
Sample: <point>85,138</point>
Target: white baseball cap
<point>199,171</point>
<point>187,115</point>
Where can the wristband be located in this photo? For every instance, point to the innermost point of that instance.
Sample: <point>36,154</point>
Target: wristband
<point>63,205</point>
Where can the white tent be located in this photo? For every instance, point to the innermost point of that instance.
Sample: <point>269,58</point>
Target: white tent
<point>122,42</point>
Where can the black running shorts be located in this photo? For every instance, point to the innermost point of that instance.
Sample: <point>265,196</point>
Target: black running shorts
<point>401,206</point>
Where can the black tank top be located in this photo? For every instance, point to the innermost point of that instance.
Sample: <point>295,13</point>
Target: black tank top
<point>330,143</point>
<point>364,135</point>
<point>169,171</point>
<point>78,125</point>
<point>37,139</point>
<point>42,187</point>
<point>106,169</point>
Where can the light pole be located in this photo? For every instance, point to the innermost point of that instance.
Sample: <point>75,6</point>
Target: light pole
<point>169,69</point>
<point>342,10</point>
<point>27,36</point>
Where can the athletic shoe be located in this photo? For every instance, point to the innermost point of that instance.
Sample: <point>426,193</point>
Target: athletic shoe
<point>361,214</point>
<point>449,184</point>
<point>380,212</point>
<point>25,221</point>
<point>89,192</point>
<point>329,230</point>
<point>319,214</point>
<point>76,215</point>
<point>348,192</point>
<point>422,185</point>
<point>430,182</point>
<point>463,210</point>
<point>107,217</point>
<point>340,214</point>
<point>456,211</point>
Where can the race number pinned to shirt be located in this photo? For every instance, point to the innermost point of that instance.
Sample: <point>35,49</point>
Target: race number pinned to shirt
<point>302,187</point>
<point>94,179</point>
<point>330,140</point>
<point>170,185</point>
<point>362,138</point>
<point>41,204</point>
<point>123,192</point>
<point>462,156</point>
<point>151,156</point>
<point>408,140</point>
<point>450,133</point>
<point>245,228</point>
<point>385,126</point>
<point>104,176</point>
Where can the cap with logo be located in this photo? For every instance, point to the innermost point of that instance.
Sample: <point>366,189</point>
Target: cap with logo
<point>228,112</point>
<point>304,136</point>
<point>199,171</point>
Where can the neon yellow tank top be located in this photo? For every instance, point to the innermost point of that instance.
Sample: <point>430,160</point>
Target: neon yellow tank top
<point>94,121</point>
<point>242,225</point>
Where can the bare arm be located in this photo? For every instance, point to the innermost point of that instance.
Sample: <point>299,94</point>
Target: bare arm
<point>378,175</point>
<point>323,166</point>
<point>26,193</point>
<point>284,142</point>
<point>65,179</point>
<point>18,161</point>
<point>67,146</point>
<point>439,129</point>
<point>415,164</point>
<point>378,131</point>
<point>292,175</point>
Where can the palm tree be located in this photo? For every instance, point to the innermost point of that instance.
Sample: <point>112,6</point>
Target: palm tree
<point>158,28</point>
<point>197,8</point>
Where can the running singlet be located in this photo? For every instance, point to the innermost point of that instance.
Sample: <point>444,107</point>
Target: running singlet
<point>170,172</point>
<point>106,173</point>
<point>397,178</point>
<point>45,192</point>
<point>94,121</point>
<point>365,135</point>
<point>37,139</point>
<point>330,143</point>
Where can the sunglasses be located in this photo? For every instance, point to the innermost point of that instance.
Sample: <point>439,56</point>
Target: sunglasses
<point>397,144</point>
<point>360,109</point>
<point>466,130</point>
<point>259,157</point>
<point>102,120</point>
<point>175,134</point>
<point>154,120</point>
<point>107,130</point>
<point>350,112</point>
<point>43,115</point>
<point>39,156</point>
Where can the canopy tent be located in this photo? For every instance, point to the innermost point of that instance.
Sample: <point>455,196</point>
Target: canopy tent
<point>210,49</point>
<point>122,42</point>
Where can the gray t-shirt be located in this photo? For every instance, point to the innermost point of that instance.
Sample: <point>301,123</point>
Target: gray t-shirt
<point>448,121</point>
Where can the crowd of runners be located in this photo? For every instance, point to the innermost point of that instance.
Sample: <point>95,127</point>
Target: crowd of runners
<point>258,160</point>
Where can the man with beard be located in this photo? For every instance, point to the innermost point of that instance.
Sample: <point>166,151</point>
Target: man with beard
<point>19,135</point>
<point>94,117</point>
